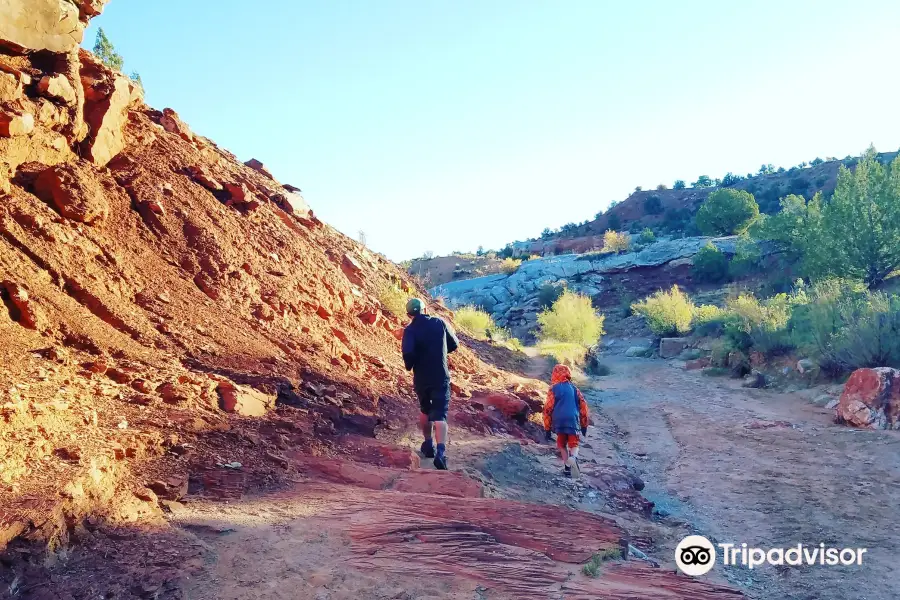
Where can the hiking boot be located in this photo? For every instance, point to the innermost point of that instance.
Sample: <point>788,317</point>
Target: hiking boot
<point>440,463</point>
<point>427,449</point>
<point>567,472</point>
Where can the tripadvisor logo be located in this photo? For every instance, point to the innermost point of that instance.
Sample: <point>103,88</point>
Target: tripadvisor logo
<point>695,555</point>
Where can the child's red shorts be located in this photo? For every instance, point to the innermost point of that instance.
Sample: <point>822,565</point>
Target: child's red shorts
<point>564,440</point>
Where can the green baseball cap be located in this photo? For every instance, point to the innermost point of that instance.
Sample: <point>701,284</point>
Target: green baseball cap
<point>414,307</point>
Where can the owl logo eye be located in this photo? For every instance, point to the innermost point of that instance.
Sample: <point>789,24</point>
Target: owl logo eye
<point>695,555</point>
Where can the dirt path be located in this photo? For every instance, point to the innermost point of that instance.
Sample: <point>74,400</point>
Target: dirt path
<point>762,468</point>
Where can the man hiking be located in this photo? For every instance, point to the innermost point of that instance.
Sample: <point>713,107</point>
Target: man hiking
<point>426,342</point>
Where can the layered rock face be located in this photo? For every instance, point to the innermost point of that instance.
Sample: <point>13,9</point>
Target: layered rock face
<point>167,311</point>
<point>513,300</point>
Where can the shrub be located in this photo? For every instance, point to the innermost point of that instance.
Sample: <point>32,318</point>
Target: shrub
<point>727,212</point>
<point>745,260</point>
<point>679,184</point>
<point>565,353</point>
<point>393,299</point>
<point>550,293</point>
<point>667,313</point>
<point>661,187</point>
<point>761,325</point>
<point>703,182</point>
<point>647,236</point>
<point>510,265</point>
<point>616,242</point>
<point>653,205</point>
<point>571,319</point>
<point>710,265</point>
<point>475,322</point>
<point>708,320</point>
<point>593,567</point>
<point>847,327</point>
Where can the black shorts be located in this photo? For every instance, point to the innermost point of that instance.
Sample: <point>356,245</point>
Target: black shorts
<point>434,400</point>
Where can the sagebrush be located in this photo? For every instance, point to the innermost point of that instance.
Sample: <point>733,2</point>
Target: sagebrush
<point>571,319</point>
<point>667,312</point>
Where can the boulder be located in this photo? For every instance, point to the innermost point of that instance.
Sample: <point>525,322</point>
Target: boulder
<point>259,168</point>
<point>805,365</point>
<point>638,352</point>
<point>15,125</point>
<point>73,190</point>
<point>204,178</point>
<point>509,405</point>
<point>172,123</point>
<point>244,401</point>
<point>292,203</point>
<point>352,269</point>
<point>755,380</point>
<point>239,193</point>
<point>53,25</point>
<point>871,399</point>
<point>106,114</point>
<point>697,364</point>
<point>672,347</point>
<point>23,310</point>
<point>690,354</point>
<point>57,87</point>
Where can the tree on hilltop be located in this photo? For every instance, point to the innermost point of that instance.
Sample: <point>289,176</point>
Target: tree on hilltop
<point>727,212</point>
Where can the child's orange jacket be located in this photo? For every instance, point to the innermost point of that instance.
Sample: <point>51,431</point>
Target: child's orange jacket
<point>562,374</point>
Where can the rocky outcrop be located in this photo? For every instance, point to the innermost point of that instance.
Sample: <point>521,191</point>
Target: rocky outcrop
<point>871,399</point>
<point>72,190</point>
<point>52,25</point>
<point>107,99</point>
<point>244,401</point>
<point>513,299</point>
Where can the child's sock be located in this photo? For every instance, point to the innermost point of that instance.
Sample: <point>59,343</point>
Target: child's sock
<point>567,471</point>
<point>441,449</point>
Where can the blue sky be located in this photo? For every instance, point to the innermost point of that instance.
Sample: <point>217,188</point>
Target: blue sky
<point>445,125</point>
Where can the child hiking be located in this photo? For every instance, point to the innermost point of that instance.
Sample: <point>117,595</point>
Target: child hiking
<point>565,414</point>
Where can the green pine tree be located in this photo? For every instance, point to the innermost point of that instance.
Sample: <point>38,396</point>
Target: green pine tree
<point>106,52</point>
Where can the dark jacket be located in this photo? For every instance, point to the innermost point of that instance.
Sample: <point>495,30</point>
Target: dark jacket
<point>426,343</point>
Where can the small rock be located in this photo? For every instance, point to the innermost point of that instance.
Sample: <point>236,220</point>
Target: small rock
<point>10,87</point>
<point>240,193</point>
<point>805,364</point>
<point>15,125</point>
<point>244,401</point>
<point>638,352</point>
<point>172,123</point>
<point>259,167</point>
<point>147,495</point>
<point>755,380</point>
<point>203,177</point>
<point>57,87</point>
<point>142,385</point>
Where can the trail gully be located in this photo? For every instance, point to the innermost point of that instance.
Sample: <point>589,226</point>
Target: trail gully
<point>761,467</point>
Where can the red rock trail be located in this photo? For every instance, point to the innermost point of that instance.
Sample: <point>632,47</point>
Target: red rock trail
<point>183,343</point>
